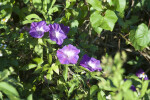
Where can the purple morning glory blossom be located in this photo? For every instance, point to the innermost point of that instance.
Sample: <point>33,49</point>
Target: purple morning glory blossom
<point>58,32</point>
<point>91,64</point>
<point>68,54</point>
<point>133,88</point>
<point>141,74</point>
<point>37,29</point>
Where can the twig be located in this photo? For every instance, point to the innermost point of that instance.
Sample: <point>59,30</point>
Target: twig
<point>138,50</point>
<point>129,12</point>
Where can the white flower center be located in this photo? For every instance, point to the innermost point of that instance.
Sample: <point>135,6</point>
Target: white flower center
<point>39,30</point>
<point>91,64</point>
<point>143,75</point>
<point>57,34</point>
<point>69,53</point>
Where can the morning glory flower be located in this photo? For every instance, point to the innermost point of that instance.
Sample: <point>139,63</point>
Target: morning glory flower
<point>58,32</point>
<point>133,88</point>
<point>37,29</point>
<point>65,28</point>
<point>68,54</point>
<point>91,64</point>
<point>141,74</point>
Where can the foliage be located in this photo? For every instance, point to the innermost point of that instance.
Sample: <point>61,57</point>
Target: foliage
<point>103,29</point>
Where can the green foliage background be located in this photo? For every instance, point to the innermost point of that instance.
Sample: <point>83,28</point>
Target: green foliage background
<point>104,29</point>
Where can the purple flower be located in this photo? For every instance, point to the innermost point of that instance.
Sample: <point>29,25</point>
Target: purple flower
<point>141,74</point>
<point>133,88</point>
<point>58,33</point>
<point>91,64</point>
<point>65,28</point>
<point>37,29</point>
<point>68,54</point>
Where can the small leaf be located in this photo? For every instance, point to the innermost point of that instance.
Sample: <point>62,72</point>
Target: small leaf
<point>65,72</point>
<point>144,88</point>
<point>25,1</point>
<point>140,38</point>
<point>9,90</point>
<point>119,4</point>
<point>37,4</point>
<point>29,66</point>
<point>29,17</point>
<point>71,89</point>
<point>96,4</point>
<point>4,74</point>
<point>30,97</point>
<point>93,90</point>
<point>49,58</point>
<point>39,50</point>
<point>39,61</point>
<point>49,74</point>
<point>37,70</point>
<point>99,96</point>
<point>55,68</point>
<point>98,30</point>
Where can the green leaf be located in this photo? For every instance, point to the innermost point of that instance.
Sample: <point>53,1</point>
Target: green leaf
<point>96,19</point>
<point>144,88</point>
<point>52,10</point>
<point>1,96</point>
<point>126,86</point>
<point>39,61</point>
<point>39,50</point>
<point>9,90</point>
<point>52,3</point>
<point>49,73</point>
<point>129,95</point>
<point>4,74</point>
<point>93,90</point>
<point>71,89</point>
<point>118,4</point>
<point>99,96</point>
<point>37,4</point>
<point>109,20</point>
<point>55,68</point>
<point>29,66</point>
<point>49,58</point>
<point>140,38</point>
<point>74,27</point>
<point>29,17</point>
<point>98,30</point>
<point>30,97</point>
<point>25,1</point>
<point>38,70</point>
<point>45,5</point>
<point>121,4</point>
<point>96,4</point>
<point>65,72</point>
